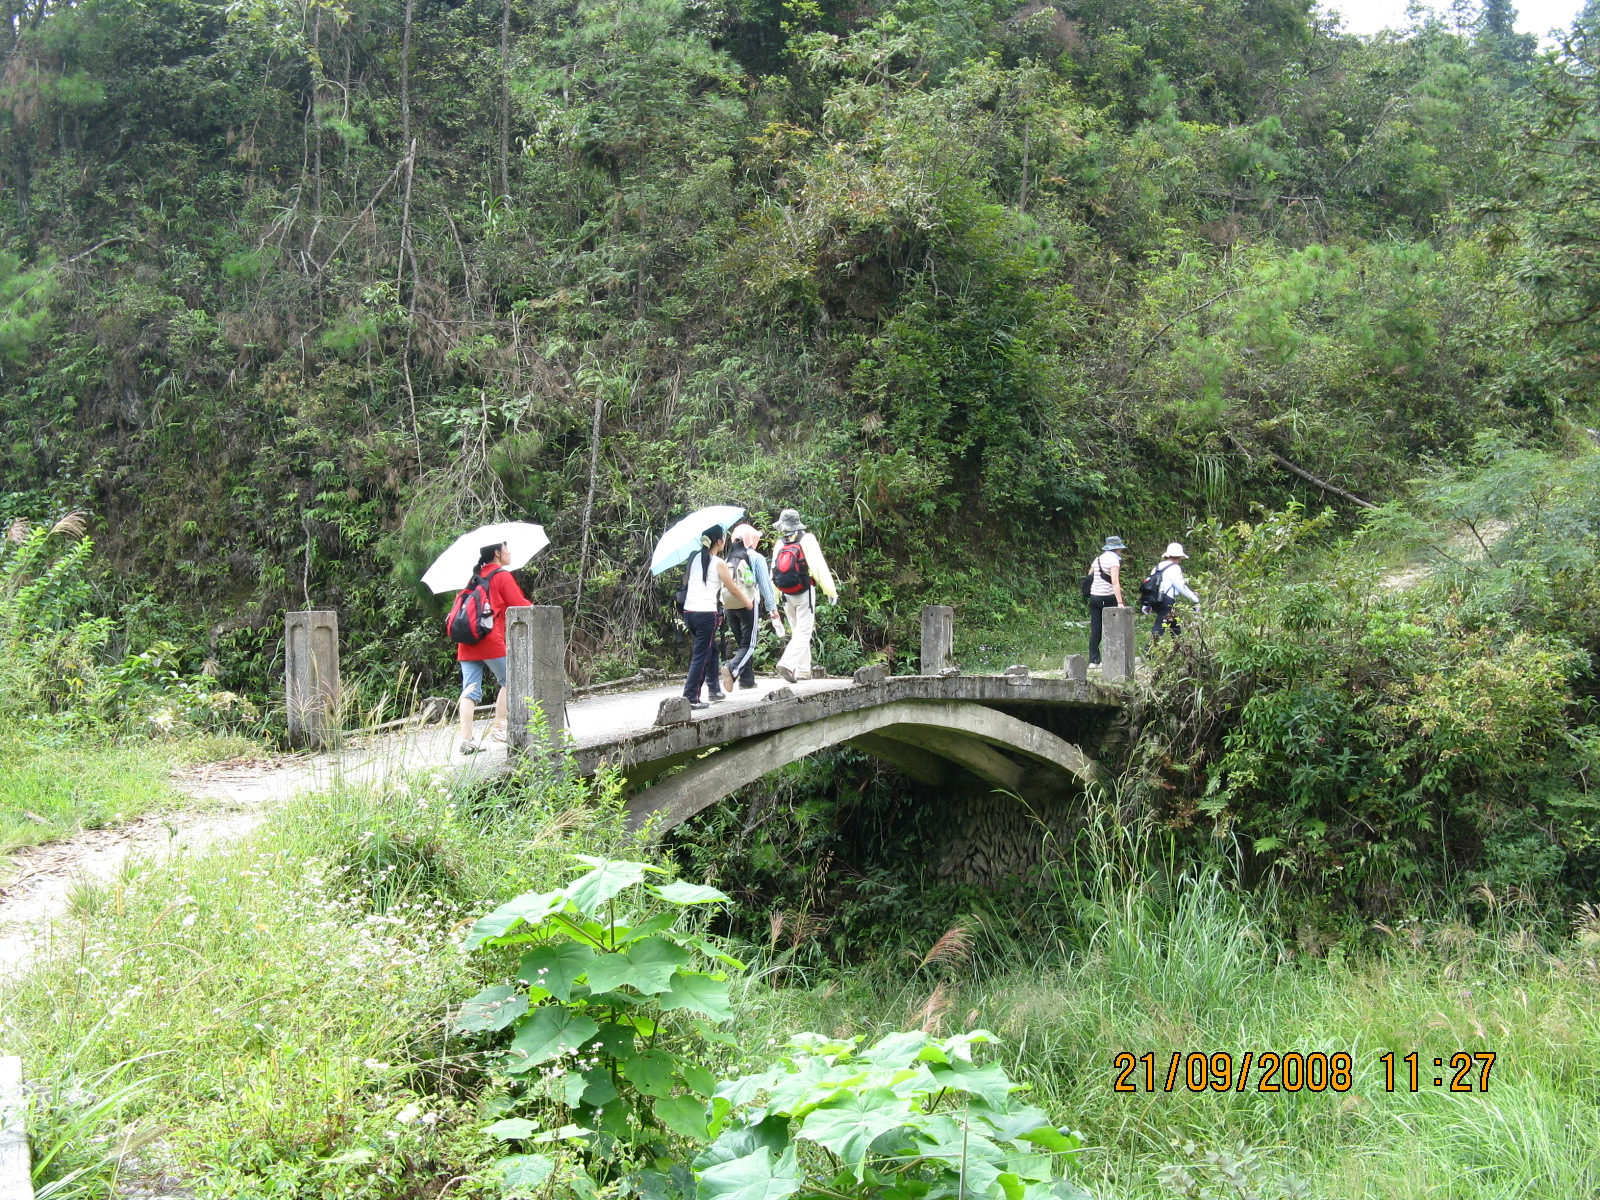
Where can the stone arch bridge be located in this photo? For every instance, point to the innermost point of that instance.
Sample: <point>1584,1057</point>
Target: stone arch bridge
<point>1034,736</point>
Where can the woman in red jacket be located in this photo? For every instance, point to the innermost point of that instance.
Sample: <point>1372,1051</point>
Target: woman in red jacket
<point>491,651</point>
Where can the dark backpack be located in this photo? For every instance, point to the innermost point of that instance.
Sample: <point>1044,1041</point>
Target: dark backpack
<point>790,574</point>
<point>471,618</point>
<point>681,596</point>
<point>1150,587</point>
<point>1087,585</point>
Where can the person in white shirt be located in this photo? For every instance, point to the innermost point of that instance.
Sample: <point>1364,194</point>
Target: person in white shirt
<point>1172,584</point>
<point>801,605</point>
<point>706,575</point>
<point>1105,590</point>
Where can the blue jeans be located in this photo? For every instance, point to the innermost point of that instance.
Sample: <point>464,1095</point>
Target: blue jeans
<point>472,677</point>
<point>703,661</point>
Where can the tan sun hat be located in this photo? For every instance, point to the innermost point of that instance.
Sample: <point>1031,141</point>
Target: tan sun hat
<point>1174,550</point>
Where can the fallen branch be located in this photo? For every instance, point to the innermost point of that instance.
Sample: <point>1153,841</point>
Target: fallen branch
<point>1331,488</point>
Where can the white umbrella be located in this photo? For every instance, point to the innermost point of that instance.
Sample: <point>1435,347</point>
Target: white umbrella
<point>683,539</point>
<point>453,569</point>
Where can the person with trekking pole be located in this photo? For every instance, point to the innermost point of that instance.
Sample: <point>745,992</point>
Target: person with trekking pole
<point>798,569</point>
<point>749,567</point>
<point>1102,588</point>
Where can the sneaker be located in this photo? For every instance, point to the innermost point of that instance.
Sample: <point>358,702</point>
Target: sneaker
<point>698,704</point>
<point>718,697</point>
<point>787,674</point>
<point>470,747</point>
<point>727,680</point>
<point>497,733</point>
<point>744,687</point>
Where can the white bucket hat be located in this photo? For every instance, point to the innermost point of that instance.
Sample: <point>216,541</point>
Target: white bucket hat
<point>1175,550</point>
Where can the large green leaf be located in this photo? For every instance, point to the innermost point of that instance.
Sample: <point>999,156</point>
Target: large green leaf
<point>849,1123</point>
<point>590,892</point>
<point>989,1082</point>
<point>684,1115</point>
<point>491,1009</point>
<point>651,1071</point>
<point>679,892</point>
<point>698,992</point>
<point>598,1088</point>
<point>645,966</point>
<point>753,1177</point>
<point>699,1080</point>
<point>531,907</point>
<point>523,1172</point>
<point>772,1132</point>
<point>555,967</point>
<point>550,1032</point>
<point>512,1129</point>
<point>615,1040</point>
<point>896,1050</point>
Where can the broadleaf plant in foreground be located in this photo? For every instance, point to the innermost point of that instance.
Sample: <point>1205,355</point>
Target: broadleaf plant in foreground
<point>607,1023</point>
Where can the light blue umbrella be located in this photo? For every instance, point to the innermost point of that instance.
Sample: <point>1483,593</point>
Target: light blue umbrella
<point>683,539</point>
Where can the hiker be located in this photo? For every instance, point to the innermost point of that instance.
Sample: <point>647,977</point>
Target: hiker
<point>1166,583</point>
<point>492,586</point>
<point>749,567</point>
<point>1104,589</point>
<point>798,569</point>
<point>706,574</point>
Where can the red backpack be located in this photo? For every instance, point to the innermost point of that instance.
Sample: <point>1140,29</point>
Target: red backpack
<point>471,618</point>
<point>790,574</point>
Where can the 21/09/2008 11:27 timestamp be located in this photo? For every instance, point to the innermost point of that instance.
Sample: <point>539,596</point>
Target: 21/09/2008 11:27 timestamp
<point>1292,1071</point>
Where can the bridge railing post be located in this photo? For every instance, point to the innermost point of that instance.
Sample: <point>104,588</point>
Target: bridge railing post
<point>311,676</point>
<point>536,674</point>
<point>938,637</point>
<point>1118,643</point>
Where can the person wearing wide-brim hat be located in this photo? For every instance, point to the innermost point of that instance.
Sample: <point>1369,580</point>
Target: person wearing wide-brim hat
<point>1170,584</point>
<point>1105,590</point>
<point>798,569</point>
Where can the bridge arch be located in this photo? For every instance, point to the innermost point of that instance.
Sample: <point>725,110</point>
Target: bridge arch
<point>919,736</point>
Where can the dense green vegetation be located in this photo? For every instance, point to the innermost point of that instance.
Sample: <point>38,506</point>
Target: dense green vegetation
<point>292,290</point>
<point>969,284</point>
<point>292,1016</point>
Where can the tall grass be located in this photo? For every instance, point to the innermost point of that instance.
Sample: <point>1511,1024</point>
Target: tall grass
<point>53,786</point>
<point>287,995</point>
<point>1144,958</point>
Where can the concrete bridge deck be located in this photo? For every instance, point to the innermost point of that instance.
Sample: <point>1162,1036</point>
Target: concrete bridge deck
<point>1017,732</point>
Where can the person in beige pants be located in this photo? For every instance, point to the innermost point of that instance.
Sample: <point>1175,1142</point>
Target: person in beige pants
<point>801,608</point>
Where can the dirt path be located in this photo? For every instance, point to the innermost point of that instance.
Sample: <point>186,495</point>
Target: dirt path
<point>223,802</point>
<point>226,801</point>
<point>230,800</point>
<point>1465,545</point>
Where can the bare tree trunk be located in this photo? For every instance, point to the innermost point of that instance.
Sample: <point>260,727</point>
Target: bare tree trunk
<point>1022,199</point>
<point>406,257</point>
<point>505,97</point>
<point>316,111</point>
<point>405,76</point>
<point>594,479</point>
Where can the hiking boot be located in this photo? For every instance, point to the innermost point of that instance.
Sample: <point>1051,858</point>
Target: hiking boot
<point>787,674</point>
<point>470,747</point>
